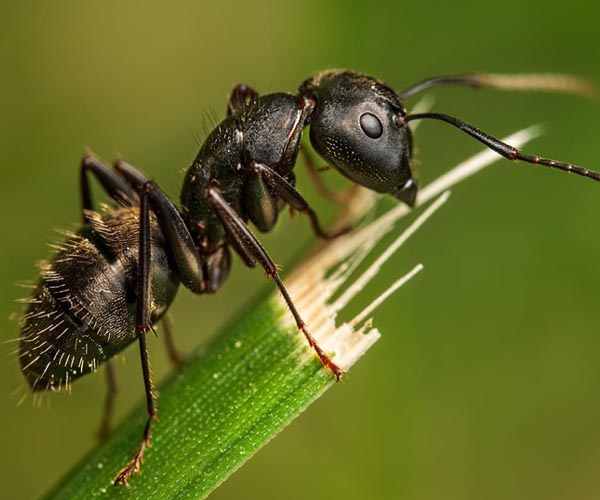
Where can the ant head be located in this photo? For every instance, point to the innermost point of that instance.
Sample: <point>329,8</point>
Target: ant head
<point>357,127</point>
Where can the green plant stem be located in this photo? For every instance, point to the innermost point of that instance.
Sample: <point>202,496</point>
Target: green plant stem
<point>214,414</point>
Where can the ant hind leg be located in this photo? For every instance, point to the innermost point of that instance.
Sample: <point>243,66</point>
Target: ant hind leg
<point>109,402</point>
<point>142,322</point>
<point>113,183</point>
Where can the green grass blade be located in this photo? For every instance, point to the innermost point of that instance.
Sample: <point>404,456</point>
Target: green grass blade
<point>214,414</point>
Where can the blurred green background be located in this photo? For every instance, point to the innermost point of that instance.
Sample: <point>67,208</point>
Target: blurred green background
<point>485,384</point>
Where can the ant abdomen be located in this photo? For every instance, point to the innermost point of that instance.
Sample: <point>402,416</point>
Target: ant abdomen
<point>83,310</point>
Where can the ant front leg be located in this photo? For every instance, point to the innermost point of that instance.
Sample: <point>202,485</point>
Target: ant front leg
<point>290,195</point>
<point>317,180</point>
<point>240,97</point>
<point>251,251</point>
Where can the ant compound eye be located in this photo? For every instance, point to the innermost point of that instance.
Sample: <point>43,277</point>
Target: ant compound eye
<point>371,125</point>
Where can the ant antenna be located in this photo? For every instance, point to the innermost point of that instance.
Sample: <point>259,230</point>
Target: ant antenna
<point>543,82</point>
<point>503,149</point>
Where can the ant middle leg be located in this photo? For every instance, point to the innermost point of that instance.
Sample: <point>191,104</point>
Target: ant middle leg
<point>240,97</point>
<point>175,357</point>
<point>252,252</point>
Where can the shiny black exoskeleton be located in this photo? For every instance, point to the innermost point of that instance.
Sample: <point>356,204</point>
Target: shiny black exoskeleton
<point>115,278</point>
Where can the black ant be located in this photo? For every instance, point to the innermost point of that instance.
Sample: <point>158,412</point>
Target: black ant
<point>116,277</point>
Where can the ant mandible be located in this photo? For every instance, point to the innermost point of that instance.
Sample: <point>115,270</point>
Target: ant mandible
<point>116,277</point>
